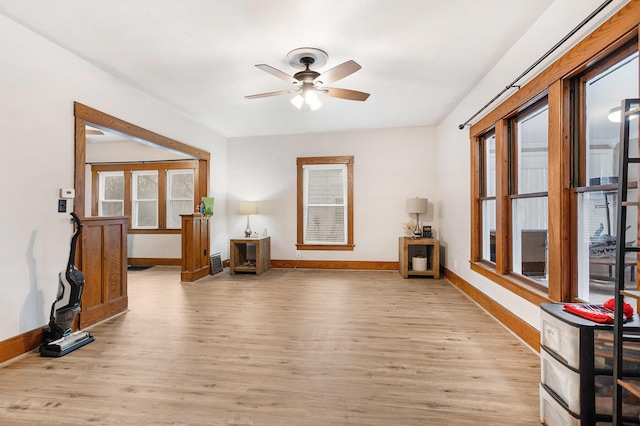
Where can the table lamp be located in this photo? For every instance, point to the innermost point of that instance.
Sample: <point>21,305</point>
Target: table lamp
<point>248,208</point>
<point>417,206</point>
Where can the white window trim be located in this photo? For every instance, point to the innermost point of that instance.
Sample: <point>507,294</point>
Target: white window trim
<point>134,199</point>
<point>101,186</point>
<point>345,197</point>
<point>170,173</point>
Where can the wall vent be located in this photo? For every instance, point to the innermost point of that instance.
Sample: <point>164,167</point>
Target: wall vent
<point>216,263</point>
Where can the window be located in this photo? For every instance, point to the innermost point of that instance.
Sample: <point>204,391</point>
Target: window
<point>488,195</point>
<point>556,161</point>
<point>144,195</point>
<point>152,194</point>
<point>325,203</point>
<point>601,90</point>
<point>179,196</point>
<point>111,198</point>
<point>528,192</point>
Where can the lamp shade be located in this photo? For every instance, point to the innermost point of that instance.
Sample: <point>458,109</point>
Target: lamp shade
<point>248,207</point>
<point>417,205</point>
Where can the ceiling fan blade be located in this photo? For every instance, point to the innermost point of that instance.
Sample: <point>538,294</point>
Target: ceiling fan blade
<point>265,95</point>
<point>352,95</point>
<point>277,73</point>
<point>339,71</point>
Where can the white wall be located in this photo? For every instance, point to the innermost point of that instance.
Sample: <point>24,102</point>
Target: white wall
<point>39,83</point>
<point>390,166</point>
<point>454,149</point>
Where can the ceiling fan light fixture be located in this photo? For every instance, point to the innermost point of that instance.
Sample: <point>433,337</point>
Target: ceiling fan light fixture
<point>615,115</point>
<point>308,81</point>
<point>307,101</point>
<point>297,100</point>
<point>311,99</point>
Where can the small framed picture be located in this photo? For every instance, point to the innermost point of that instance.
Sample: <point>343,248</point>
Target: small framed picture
<point>426,232</point>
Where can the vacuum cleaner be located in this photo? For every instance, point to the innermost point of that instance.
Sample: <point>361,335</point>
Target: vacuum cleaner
<point>57,338</point>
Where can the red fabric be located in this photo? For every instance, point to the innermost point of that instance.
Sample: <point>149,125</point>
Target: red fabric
<point>602,314</point>
<point>591,312</point>
<point>627,309</point>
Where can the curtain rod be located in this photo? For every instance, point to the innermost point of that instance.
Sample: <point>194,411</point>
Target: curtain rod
<point>536,63</point>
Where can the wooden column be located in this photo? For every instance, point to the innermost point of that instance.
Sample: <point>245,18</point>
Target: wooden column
<point>195,247</point>
<point>102,258</point>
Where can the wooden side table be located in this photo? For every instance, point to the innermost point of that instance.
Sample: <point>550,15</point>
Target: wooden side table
<point>409,247</point>
<point>239,261</point>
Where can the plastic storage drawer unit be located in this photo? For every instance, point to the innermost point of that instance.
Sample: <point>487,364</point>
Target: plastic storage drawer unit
<point>552,413</point>
<point>577,368</point>
<point>563,381</point>
<point>561,338</point>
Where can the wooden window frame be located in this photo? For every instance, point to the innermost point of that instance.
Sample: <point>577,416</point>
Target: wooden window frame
<point>301,162</point>
<point>512,188</point>
<point>481,190</point>
<point>128,169</point>
<point>578,184</point>
<point>555,83</point>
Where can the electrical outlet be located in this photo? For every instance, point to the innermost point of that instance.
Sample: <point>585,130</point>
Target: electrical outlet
<point>297,254</point>
<point>455,265</point>
<point>62,206</point>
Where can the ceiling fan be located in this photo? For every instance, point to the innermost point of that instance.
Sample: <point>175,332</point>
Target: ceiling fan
<point>307,82</point>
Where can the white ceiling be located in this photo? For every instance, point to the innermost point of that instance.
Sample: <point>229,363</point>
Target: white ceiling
<point>419,57</point>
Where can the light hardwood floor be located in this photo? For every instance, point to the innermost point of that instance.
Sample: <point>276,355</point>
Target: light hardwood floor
<point>290,347</point>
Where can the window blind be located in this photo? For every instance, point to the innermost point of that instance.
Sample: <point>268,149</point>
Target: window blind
<point>325,203</point>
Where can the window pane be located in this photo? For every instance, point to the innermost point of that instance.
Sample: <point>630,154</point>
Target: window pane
<point>489,230</point>
<point>529,238</point>
<point>597,244</point>
<point>146,214</point>
<point>145,199</point>
<point>597,211</point>
<point>114,187</point>
<point>176,208</point>
<point>111,193</point>
<point>147,186</point>
<point>604,93</point>
<point>325,225</point>
<point>324,212</point>
<point>181,185</point>
<point>533,152</point>
<point>490,166</point>
<point>326,186</point>
<point>180,196</point>
<point>112,208</point>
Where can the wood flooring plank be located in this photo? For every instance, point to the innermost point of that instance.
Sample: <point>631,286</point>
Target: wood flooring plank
<point>289,347</point>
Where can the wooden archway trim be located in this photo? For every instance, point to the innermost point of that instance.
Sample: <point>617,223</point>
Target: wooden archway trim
<point>102,253</point>
<point>84,114</point>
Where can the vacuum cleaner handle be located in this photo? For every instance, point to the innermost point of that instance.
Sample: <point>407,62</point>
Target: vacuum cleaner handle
<point>77,220</point>
<point>74,240</point>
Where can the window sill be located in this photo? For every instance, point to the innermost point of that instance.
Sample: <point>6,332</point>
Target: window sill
<point>512,284</point>
<point>346,247</point>
<point>155,231</point>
